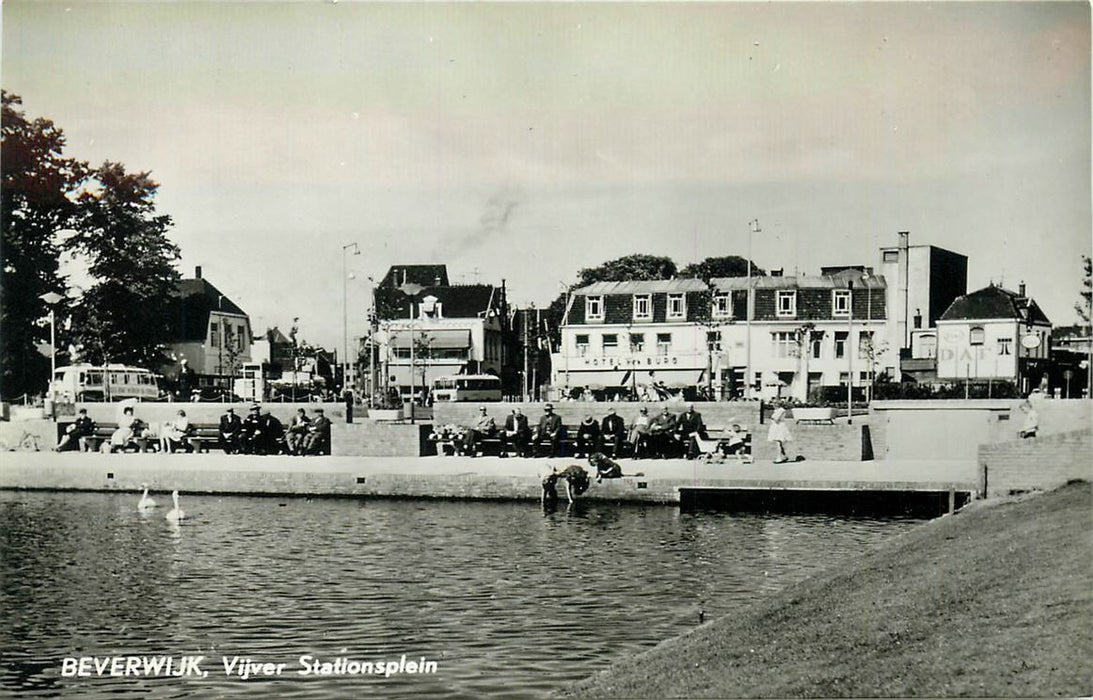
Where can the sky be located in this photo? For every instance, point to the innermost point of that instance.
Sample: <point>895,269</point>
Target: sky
<point>523,142</point>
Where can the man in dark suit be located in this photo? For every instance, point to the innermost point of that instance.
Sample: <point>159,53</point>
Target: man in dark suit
<point>251,433</point>
<point>549,430</point>
<point>318,435</point>
<point>588,437</point>
<point>230,428</point>
<point>517,432</point>
<point>613,432</point>
<point>662,430</point>
<point>689,424</point>
<point>272,438</point>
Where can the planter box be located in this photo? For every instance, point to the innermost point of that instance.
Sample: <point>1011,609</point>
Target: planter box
<point>389,414</point>
<point>814,415</point>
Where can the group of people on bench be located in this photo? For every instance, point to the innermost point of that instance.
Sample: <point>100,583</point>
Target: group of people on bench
<point>262,433</point>
<point>664,435</point>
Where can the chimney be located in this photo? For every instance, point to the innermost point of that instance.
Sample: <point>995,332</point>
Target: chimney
<point>197,272</point>
<point>1021,289</point>
<point>436,281</point>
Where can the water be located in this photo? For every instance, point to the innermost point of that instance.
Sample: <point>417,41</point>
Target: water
<point>507,598</point>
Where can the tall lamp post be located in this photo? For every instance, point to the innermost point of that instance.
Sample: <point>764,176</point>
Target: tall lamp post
<point>753,227</point>
<point>51,299</point>
<point>345,310</point>
<point>850,352</point>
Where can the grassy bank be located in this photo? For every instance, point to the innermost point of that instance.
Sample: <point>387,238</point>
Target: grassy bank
<point>994,601</point>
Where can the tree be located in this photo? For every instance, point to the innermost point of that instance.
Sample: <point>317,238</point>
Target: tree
<point>1083,306</point>
<point>125,316</point>
<point>629,267</point>
<point>37,201</point>
<point>726,266</point>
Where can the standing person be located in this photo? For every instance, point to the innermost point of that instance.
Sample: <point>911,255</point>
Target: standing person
<point>231,427</point>
<point>1032,420</point>
<point>517,432</point>
<point>297,431</point>
<point>185,381</point>
<point>549,429</point>
<point>483,427</point>
<point>612,432</point>
<point>690,425</point>
<point>77,433</point>
<point>779,433</point>
<point>588,436</point>
<point>318,434</point>
<point>349,400</point>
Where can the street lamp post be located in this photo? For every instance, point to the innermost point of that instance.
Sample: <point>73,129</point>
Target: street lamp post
<point>850,353</point>
<point>753,227</point>
<point>51,299</point>
<point>345,311</point>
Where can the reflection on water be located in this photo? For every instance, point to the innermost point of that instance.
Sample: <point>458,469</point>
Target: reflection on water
<point>504,596</point>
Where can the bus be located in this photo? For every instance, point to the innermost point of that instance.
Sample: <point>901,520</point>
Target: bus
<point>467,387</point>
<point>110,383</point>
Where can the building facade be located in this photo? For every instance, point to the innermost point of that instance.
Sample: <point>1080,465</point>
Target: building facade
<point>425,331</point>
<point>209,331</point>
<point>994,334</point>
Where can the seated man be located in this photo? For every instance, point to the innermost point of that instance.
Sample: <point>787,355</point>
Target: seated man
<point>297,432</point>
<point>250,436</point>
<point>612,432</point>
<point>483,427</point>
<point>639,434</point>
<point>605,468</point>
<point>662,430</point>
<point>230,430</point>
<point>77,433</point>
<point>517,433</point>
<point>271,436</point>
<point>588,437</point>
<point>549,431</point>
<point>318,434</point>
<point>689,425</point>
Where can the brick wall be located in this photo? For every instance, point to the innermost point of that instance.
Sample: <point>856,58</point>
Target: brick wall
<point>838,442</point>
<point>1035,463</point>
<point>371,439</point>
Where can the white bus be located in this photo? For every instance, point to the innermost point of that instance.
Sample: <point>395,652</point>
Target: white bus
<point>467,387</point>
<point>109,383</point>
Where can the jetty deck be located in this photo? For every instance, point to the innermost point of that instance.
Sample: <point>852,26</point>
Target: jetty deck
<point>671,481</point>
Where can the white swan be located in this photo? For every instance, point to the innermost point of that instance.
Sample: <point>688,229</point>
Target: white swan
<point>175,514</point>
<point>146,502</point>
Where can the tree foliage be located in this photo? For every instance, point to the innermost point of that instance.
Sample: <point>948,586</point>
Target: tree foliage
<point>629,267</point>
<point>725,266</point>
<point>1083,306</point>
<point>38,185</point>
<point>125,316</point>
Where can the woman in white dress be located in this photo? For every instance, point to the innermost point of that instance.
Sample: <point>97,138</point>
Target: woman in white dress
<point>126,423</point>
<point>174,432</point>
<point>779,433</point>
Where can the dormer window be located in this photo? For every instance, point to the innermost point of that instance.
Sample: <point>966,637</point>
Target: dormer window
<point>840,303</point>
<point>722,305</point>
<point>677,306</point>
<point>787,304</point>
<point>430,307</point>
<point>643,307</point>
<point>977,335</point>
<point>593,308</point>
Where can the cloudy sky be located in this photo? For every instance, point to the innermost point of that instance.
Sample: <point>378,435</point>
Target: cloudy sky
<point>526,141</point>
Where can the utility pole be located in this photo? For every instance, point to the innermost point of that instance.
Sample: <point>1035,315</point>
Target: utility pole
<point>753,227</point>
<point>525,372</point>
<point>850,353</point>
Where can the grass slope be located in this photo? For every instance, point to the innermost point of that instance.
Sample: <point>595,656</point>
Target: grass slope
<point>994,601</point>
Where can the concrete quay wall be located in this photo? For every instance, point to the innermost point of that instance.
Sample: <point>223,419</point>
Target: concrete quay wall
<point>1038,463</point>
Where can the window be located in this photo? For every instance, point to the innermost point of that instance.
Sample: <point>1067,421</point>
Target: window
<point>787,303</point>
<point>677,306</point>
<point>840,343</point>
<point>637,342</point>
<point>891,256</point>
<point>927,345</point>
<point>643,307</point>
<point>722,305</point>
<point>582,344</point>
<point>840,303</point>
<point>214,334</point>
<point>610,343</point>
<point>817,344</point>
<point>240,338</point>
<point>977,335</point>
<point>664,343</point>
<point>593,308</point>
<point>865,344</point>
<point>713,341</point>
<point>784,343</point>
<point>844,377</point>
<point>1005,346</point>
<point>402,353</point>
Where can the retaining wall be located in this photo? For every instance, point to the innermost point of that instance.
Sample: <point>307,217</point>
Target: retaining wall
<point>1035,463</point>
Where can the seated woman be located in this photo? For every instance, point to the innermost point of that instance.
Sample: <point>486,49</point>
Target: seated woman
<point>734,442</point>
<point>127,427</point>
<point>605,467</point>
<point>175,434</point>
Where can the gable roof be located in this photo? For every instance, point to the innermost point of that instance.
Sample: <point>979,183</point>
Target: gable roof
<point>457,301</point>
<point>994,302</point>
<point>423,275</point>
<point>194,301</point>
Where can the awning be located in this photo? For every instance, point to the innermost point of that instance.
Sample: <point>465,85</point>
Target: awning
<point>671,377</point>
<point>457,339</point>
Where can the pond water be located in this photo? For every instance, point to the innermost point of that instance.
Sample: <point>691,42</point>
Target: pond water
<point>507,598</point>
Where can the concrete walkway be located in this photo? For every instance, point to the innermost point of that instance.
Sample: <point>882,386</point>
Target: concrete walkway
<point>456,477</point>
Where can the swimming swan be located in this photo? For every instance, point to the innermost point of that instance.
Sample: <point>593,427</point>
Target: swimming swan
<point>145,501</point>
<point>175,514</point>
